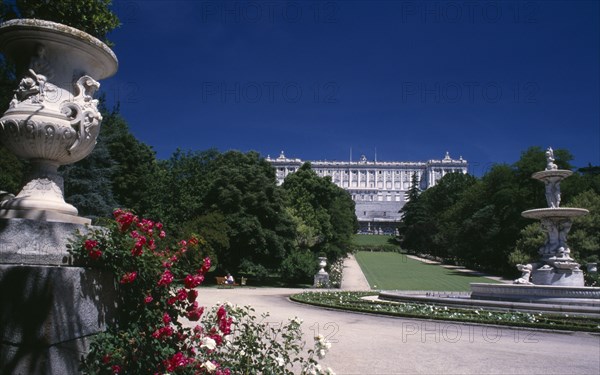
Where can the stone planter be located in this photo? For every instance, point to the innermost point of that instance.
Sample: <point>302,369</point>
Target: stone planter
<point>321,279</point>
<point>53,118</point>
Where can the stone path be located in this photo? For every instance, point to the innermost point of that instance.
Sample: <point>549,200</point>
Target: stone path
<point>369,344</point>
<point>353,277</point>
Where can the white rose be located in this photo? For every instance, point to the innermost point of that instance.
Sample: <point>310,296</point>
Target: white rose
<point>208,343</point>
<point>321,353</point>
<point>209,366</point>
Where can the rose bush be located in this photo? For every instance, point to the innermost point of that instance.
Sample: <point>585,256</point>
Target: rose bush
<point>160,328</point>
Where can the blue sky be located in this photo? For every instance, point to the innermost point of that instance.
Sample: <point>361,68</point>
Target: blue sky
<point>410,79</point>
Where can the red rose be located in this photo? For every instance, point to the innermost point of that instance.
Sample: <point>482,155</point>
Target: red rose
<point>166,278</point>
<point>128,278</point>
<point>90,244</point>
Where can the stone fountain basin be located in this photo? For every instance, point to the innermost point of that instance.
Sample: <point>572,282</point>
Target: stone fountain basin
<point>553,174</point>
<point>559,213</point>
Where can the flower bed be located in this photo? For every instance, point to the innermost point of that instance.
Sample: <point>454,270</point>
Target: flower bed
<point>353,301</point>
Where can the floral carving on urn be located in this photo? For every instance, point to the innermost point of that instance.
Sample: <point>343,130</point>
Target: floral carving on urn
<point>53,118</point>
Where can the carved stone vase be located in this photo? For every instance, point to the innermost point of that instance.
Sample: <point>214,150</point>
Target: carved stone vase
<point>53,118</point>
<point>321,278</point>
<point>322,264</point>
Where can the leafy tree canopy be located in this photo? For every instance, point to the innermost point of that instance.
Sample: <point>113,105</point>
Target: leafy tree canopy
<point>91,16</point>
<point>242,187</point>
<point>325,210</point>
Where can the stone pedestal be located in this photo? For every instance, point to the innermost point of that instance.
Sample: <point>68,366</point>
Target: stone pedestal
<point>49,308</point>
<point>321,280</point>
<point>322,277</point>
<point>553,276</point>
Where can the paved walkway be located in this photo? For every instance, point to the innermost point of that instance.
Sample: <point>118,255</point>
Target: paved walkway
<point>353,277</point>
<point>369,344</point>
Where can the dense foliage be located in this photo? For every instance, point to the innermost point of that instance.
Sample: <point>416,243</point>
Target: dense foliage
<point>478,222</point>
<point>324,217</point>
<point>92,16</point>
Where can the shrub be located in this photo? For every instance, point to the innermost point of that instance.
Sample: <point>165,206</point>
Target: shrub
<point>336,270</point>
<point>157,302</point>
<point>299,267</point>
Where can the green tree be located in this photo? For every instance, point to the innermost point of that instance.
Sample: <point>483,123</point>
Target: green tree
<point>584,239</point>
<point>213,229</point>
<point>478,222</point>
<point>242,187</point>
<point>11,171</point>
<point>413,229</point>
<point>135,170</point>
<point>423,228</point>
<point>325,210</point>
<point>11,168</point>
<point>88,184</point>
<point>531,238</point>
<point>92,16</point>
<point>179,187</point>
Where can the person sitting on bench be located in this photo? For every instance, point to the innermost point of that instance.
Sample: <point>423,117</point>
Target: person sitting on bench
<point>229,279</point>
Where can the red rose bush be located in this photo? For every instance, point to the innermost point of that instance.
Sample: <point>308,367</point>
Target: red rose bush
<point>161,328</point>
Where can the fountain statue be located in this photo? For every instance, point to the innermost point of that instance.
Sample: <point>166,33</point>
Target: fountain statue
<point>555,267</point>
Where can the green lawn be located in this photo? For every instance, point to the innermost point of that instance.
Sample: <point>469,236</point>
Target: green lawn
<point>371,240</point>
<point>396,271</point>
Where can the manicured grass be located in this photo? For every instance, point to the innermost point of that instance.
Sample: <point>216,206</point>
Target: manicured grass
<point>396,271</point>
<point>371,240</point>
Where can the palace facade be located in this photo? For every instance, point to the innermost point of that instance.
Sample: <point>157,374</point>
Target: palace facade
<point>377,188</point>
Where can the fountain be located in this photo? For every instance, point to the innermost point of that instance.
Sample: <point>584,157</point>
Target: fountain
<point>49,307</point>
<point>556,277</point>
<point>556,267</point>
<point>553,283</point>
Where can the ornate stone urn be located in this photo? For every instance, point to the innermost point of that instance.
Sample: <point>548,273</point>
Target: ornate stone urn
<point>53,118</point>
<point>321,278</point>
<point>322,264</point>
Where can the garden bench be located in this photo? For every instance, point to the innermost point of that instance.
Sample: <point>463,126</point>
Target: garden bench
<point>221,281</point>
